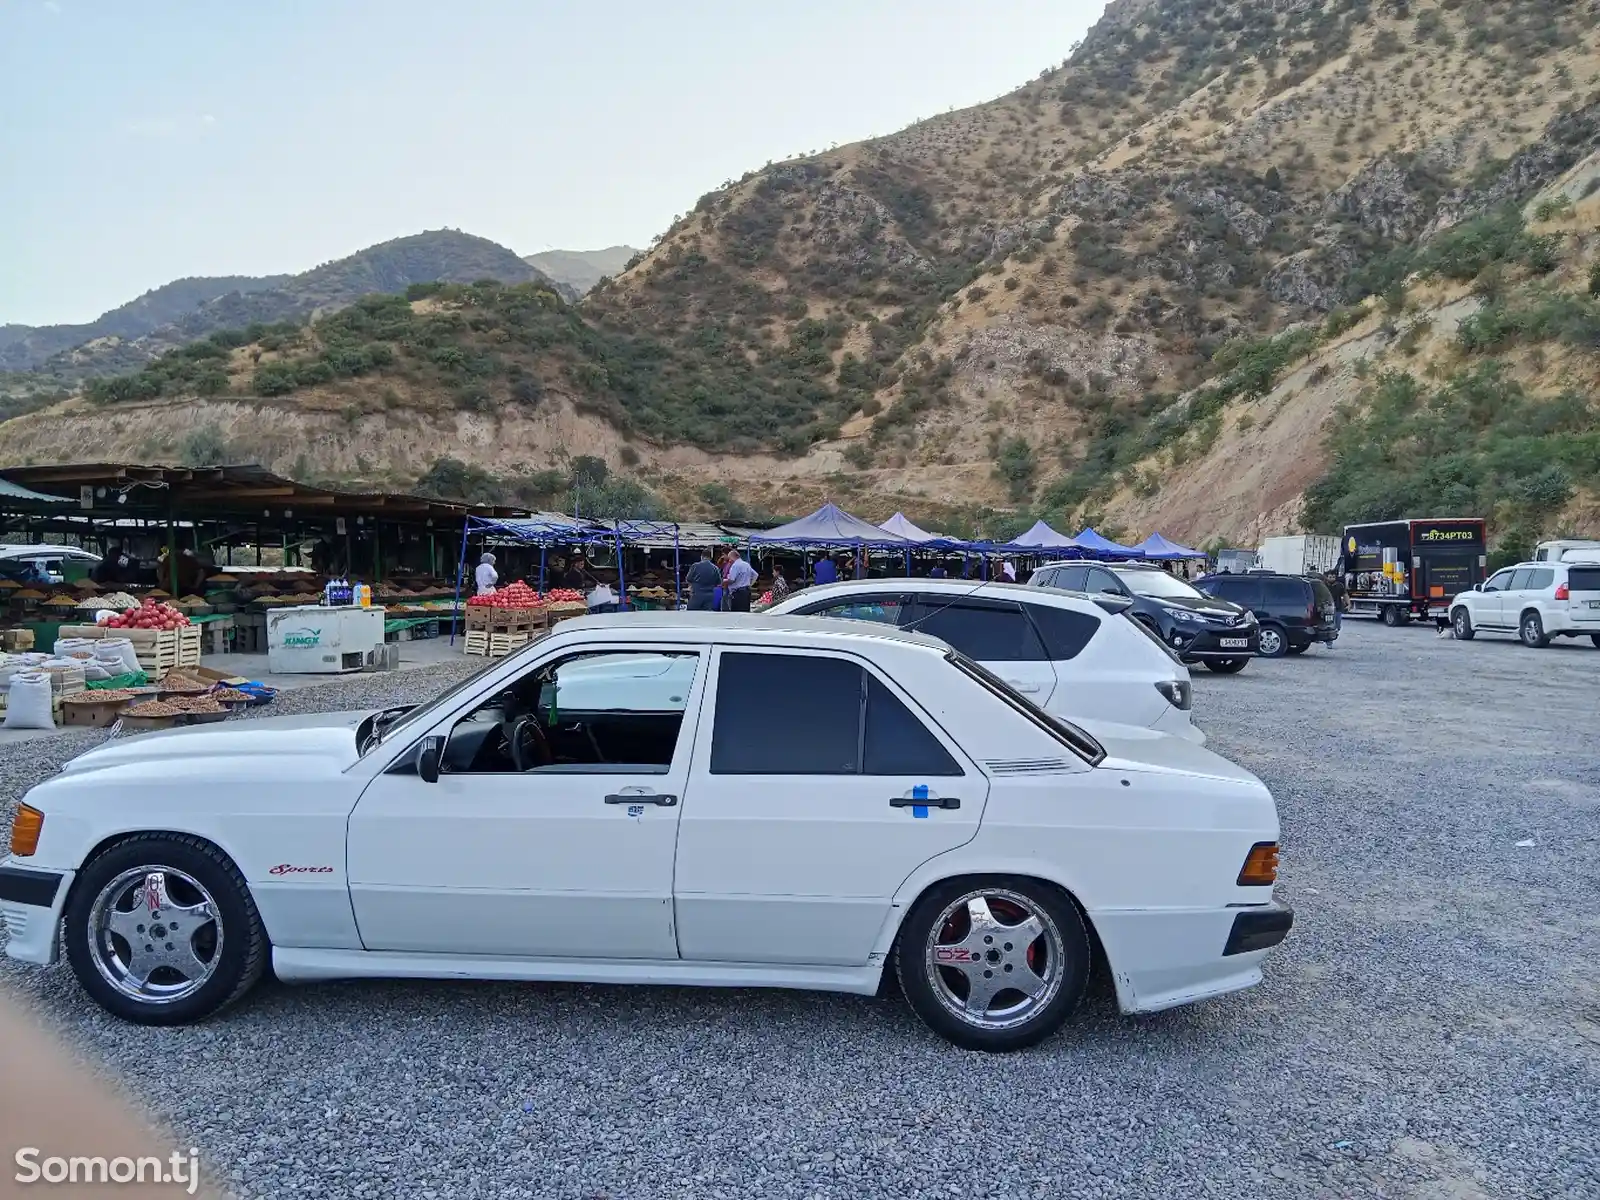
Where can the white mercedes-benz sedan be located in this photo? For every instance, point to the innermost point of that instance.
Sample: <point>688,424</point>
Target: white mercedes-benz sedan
<point>674,798</point>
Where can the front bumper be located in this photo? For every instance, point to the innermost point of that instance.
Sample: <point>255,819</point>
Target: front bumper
<point>31,901</point>
<point>1195,643</point>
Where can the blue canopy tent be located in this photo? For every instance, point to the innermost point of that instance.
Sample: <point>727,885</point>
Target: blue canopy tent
<point>1156,546</point>
<point>830,527</point>
<point>1092,543</point>
<point>1042,537</point>
<point>901,526</point>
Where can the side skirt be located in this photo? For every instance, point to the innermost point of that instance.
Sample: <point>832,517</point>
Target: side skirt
<point>309,965</point>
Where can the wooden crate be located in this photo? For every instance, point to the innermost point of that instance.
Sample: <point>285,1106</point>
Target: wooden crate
<point>160,650</point>
<point>494,645</point>
<point>14,641</point>
<point>506,620</point>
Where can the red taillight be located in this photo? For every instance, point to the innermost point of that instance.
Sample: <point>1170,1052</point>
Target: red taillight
<point>1562,592</point>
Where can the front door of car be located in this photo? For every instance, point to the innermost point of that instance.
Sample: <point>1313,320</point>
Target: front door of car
<point>820,788</point>
<point>551,828</point>
<point>996,633</point>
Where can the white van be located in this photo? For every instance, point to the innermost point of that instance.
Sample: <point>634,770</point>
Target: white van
<point>1567,551</point>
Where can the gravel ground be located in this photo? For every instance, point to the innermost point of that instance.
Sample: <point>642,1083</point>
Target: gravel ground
<point>1430,1029</point>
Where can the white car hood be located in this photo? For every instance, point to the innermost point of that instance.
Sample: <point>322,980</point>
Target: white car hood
<point>329,737</point>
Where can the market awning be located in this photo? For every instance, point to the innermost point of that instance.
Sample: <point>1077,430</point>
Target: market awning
<point>1092,543</point>
<point>1156,546</point>
<point>901,527</point>
<point>15,491</point>
<point>831,526</point>
<point>1042,537</point>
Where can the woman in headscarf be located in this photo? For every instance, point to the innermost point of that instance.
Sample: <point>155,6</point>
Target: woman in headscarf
<point>486,576</point>
<point>1008,571</point>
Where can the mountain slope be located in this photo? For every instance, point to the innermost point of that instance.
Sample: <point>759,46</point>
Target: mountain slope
<point>582,269</point>
<point>1133,289</point>
<point>185,311</point>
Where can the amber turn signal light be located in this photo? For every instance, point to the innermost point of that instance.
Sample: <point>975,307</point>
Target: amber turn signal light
<point>1260,866</point>
<point>25,829</point>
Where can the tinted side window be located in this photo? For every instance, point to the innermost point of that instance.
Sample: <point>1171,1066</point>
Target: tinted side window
<point>1074,579</point>
<point>1065,631</point>
<point>1104,581</point>
<point>884,609</point>
<point>897,742</point>
<point>1245,592</point>
<point>997,633</point>
<point>1284,593</point>
<point>1519,580</point>
<point>1499,582</point>
<point>1539,579</point>
<point>820,729</point>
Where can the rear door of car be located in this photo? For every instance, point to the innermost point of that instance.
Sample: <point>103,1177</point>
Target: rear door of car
<point>801,819</point>
<point>1583,596</point>
<point>996,633</point>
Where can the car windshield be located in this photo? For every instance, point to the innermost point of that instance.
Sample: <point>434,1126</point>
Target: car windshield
<point>1158,583</point>
<point>1078,740</point>
<point>392,720</point>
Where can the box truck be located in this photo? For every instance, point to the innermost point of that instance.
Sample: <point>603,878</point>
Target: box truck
<point>1399,570</point>
<point>1300,554</point>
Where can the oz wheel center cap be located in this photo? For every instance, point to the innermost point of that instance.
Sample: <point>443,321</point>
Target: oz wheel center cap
<point>993,956</point>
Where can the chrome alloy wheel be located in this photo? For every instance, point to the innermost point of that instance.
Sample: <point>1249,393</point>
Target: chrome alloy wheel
<point>1271,643</point>
<point>155,934</point>
<point>995,958</point>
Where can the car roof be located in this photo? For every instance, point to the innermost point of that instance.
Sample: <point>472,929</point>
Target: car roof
<point>747,627</point>
<point>955,589</point>
<point>45,551</point>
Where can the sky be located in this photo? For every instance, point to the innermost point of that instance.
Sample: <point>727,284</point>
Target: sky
<point>145,142</point>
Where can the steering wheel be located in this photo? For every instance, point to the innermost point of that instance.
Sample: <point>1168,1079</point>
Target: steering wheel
<point>529,747</point>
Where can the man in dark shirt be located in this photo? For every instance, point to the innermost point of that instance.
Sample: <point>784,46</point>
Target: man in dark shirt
<point>703,580</point>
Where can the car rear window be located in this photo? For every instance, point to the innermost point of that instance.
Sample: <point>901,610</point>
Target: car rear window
<point>1583,579</point>
<point>833,717</point>
<point>1323,595</point>
<point>1065,631</point>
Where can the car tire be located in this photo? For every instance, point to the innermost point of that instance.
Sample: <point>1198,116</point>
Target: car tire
<point>1461,625</point>
<point>1274,642</point>
<point>217,959</point>
<point>1227,666</point>
<point>1391,615</point>
<point>944,920</point>
<point>1531,631</point>
<point>1595,638</point>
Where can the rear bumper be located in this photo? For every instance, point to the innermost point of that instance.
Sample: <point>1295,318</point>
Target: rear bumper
<point>1161,958</point>
<point>30,911</point>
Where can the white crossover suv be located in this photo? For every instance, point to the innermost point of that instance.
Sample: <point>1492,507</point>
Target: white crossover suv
<point>1069,653</point>
<point>1533,601</point>
<point>788,803</point>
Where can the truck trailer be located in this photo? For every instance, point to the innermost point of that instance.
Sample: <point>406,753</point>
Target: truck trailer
<point>1300,554</point>
<point>1400,570</point>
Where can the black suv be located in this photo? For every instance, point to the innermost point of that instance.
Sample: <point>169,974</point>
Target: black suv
<point>1195,626</point>
<point>1294,610</point>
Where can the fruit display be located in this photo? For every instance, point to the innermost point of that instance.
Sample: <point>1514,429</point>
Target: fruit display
<point>150,615</point>
<point>513,595</point>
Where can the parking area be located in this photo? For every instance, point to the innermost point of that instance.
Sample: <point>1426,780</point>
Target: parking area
<point>1430,1029</point>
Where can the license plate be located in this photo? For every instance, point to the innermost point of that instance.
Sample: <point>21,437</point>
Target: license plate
<point>1594,604</point>
<point>1236,643</point>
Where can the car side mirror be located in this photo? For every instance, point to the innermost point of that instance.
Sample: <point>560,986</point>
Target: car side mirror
<point>428,759</point>
<point>1477,587</point>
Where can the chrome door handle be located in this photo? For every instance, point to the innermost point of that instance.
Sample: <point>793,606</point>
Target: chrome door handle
<point>1023,687</point>
<point>643,798</point>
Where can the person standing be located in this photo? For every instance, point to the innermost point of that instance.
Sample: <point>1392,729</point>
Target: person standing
<point>703,579</point>
<point>825,571</point>
<point>741,575</point>
<point>486,576</point>
<point>780,585</point>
